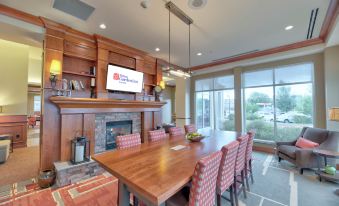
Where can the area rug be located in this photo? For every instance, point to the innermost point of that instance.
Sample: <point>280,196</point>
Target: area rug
<point>99,190</point>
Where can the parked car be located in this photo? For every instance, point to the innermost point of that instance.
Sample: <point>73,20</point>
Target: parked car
<point>293,117</point>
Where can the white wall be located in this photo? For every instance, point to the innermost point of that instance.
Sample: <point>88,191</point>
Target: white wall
<point>13,78</point>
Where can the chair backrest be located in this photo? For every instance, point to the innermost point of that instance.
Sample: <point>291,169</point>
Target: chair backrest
<point>190,128</point>
<point>315,134</point>
<point>176,131</point>
<point>249,147</point>
<point>128,141</point>
<point>241,154</point>
<point>157,135</point>
<point>204,180</point>
<point>227,166</point>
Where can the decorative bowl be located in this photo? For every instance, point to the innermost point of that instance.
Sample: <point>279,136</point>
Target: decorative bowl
<point>195,138</point>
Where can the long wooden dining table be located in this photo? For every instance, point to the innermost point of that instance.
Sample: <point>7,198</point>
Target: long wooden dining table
<point>155,171</point>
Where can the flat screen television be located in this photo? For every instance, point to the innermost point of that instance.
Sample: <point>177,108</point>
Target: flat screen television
<point>122,79</point>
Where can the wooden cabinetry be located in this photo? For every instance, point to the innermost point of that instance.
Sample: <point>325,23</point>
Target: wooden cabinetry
<point>78,69</point>
<point>15,125</point>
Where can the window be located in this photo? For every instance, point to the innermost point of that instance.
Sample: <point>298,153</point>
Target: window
<point>214,103</point>
<point>278,102</point>
<point>37,103</point>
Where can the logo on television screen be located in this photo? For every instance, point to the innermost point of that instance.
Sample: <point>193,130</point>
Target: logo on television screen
<point>123,78</point>
<point>116,76</point>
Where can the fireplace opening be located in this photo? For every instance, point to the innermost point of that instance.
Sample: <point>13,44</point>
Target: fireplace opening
<point>114,129</point>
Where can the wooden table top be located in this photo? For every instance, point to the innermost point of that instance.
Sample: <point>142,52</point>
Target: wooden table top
<point>327,153</point>
<point>154,170</point>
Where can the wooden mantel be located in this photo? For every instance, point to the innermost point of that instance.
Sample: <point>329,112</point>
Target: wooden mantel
<point>77,117</point>
<point>69,105</point>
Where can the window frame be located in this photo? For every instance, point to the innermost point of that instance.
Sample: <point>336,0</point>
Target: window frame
<point>274,85</point>
<point>212,109</point>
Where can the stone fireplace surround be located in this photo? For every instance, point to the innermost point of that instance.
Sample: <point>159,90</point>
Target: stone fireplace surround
<point>103,118</point>
<point>88,117</point>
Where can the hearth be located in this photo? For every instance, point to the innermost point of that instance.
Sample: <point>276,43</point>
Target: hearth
<point>114,129</point>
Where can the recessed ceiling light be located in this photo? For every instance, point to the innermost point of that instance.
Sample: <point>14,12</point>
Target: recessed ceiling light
<point>288,27</point>
<point>157,49</point>
<point>102,26</point>
<point>199,54</point>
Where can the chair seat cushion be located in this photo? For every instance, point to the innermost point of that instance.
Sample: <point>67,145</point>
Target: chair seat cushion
<point>5,143</point>
<point>288,150</point>
<point>305,143</point>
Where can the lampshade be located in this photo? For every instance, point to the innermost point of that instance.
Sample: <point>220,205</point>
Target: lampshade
<point>334,114</point>
<point>55,67</point>
<point>162,84</point>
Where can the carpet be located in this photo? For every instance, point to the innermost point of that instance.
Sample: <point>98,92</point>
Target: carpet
<point>22,164</point>
<point>280,184</point>
<point>99,190</point>
<point>275,184</point>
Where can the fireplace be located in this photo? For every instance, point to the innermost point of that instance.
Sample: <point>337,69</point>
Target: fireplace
<point>114,129</point>
<point>107,128</point>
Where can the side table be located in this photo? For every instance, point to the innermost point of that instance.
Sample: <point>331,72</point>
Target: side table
<point>327,154</point>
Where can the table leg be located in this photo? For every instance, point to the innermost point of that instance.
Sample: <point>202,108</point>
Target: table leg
<point>123,195</point>
<point>318,161</point>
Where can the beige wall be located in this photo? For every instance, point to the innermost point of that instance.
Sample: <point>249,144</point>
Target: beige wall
<point>331,59</point>
<point>319,85</point>
<point>35,65</point>
<point>182,101</point>
<point>13,78</point>
<point>168,109</point>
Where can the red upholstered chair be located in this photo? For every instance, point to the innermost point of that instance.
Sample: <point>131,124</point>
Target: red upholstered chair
<point>248,160</point>
<point>128,141</point>
<point>240,167</point>
<point>190,128</point>
<point>204,180</point>
<point>225,178</point>
<point>157,135</point>
<point>32,121</point>
<point>176,131</point>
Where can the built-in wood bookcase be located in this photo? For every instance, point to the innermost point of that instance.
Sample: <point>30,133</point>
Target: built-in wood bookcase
<point>76,68</point>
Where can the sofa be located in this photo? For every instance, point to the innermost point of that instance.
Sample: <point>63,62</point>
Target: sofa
<point>305,158</point>
<point>4,150</point>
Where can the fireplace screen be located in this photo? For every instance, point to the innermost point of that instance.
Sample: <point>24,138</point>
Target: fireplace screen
<point>114,129</point>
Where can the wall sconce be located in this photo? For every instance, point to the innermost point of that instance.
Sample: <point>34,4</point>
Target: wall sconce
<point>162,84</point>
<point>334,114</point>
<point>54,70</point>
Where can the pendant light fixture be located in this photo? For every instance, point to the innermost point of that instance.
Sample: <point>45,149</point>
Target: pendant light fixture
<point>172,8</point>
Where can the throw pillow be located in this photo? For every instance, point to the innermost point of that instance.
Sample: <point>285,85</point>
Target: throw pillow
<point>305,143</point>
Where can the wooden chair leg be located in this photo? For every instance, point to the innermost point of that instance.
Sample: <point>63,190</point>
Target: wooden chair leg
<point>243,183</point>
<point>218,200</point>
<point>301,171</point>
<point>246,178</point>
<point>251,172</point>
<point>235,191</point>
<point>232,195</point>
<point>135,201</point>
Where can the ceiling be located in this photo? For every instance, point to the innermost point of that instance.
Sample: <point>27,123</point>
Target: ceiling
<point>221,28</point>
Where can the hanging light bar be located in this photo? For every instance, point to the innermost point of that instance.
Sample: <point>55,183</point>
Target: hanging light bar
<point>179,73</point>
<point>172,8</point>
<point>179,13</point>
